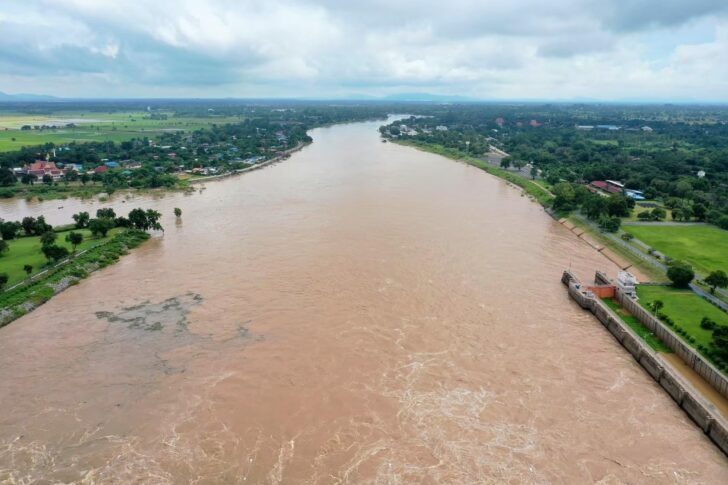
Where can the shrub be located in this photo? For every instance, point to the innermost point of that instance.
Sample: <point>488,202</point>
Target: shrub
<point>707,324</point>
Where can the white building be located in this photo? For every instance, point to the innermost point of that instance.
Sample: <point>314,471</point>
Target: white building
<point>627,284</point>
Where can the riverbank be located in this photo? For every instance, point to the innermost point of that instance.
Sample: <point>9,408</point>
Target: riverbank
<point>29,295</point>
<point>279,158</point>
<point>531,188</point>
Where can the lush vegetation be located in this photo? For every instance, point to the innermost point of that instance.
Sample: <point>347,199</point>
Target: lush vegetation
<point>676,154</point>
<point>190,139</point>
<point>687,314</point>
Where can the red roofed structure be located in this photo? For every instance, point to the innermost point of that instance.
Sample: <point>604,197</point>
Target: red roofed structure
<point>41,168</point>
<point>101,169</point>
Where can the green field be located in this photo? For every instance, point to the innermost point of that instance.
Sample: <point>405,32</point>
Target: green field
<point>638,327</point>
<point>685,308</point>
<point>92,126</point>
<point>26,250</point>
<point>705,247</point>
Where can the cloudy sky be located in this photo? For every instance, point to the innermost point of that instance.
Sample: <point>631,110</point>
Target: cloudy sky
<point>517,49</point>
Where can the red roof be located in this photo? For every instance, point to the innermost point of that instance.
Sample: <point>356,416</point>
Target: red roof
<point>43,165</point>
<point>101,169</point>
<point>602,185</point>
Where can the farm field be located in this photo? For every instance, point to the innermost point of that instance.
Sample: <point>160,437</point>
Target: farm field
<point>93,126</point>
<point>705,247</point>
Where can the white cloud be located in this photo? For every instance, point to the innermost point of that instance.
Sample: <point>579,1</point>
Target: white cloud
<point>491,49</point>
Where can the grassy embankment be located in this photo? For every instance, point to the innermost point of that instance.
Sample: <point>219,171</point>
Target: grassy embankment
<point>637,326</point>
<point>686,310</point>
<point>62,190</point>
<point>27,250</point>
<point>94,126</point>
<point>18,301</point>
<point>534,190</point>
<point>704,247</point>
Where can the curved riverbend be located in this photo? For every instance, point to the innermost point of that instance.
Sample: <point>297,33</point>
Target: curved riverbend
<point>361,313</point>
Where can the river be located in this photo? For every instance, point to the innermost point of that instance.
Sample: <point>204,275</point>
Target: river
<point>360,313</point>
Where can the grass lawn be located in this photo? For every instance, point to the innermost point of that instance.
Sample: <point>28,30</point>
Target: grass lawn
<point>26,250</point>
<point>639,207</point>
<point>685,308</point>
<point>637,327</point>
<point>705,247</point>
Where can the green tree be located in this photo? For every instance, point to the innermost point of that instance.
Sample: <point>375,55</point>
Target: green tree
<point>565,196</point>
<point>107,212</point>
<point>717,279</point>
<point>594,206</point>
<point>28,269</point>
<point>53,252</point>
<point>627,236</point>
<point>48,238</point>
<point>85,179</point>
<point>101,226</point>
<point>3,280</point>
<point>28,224</point>
<point>609,224</point>
<point>75,238</point>
<point>47,179</point>
<point>7,177</point>
<point>3,246</point>
<point>656,306</point>
<point>177,212</point>
<point>617,206</point>
<point>41,226</point>
<point>81,219</point>
<point>700,212</point>
<point>9,229</point>
<point>658,213</point>
<point>505,162</point>
<point>680,273</point>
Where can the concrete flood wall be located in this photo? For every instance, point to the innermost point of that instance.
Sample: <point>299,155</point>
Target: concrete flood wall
<point>683,393</point>
<point>690,356</point>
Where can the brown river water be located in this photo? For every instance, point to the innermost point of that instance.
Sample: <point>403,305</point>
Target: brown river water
<point>360,313</point>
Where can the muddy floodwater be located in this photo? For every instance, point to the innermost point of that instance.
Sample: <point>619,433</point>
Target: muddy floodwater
<point>360,313</point>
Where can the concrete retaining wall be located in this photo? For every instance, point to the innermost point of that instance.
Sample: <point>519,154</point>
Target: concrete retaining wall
<point>687,397</point>
<point>691,357</point>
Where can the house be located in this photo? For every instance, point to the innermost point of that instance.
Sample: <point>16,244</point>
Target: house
<point>112,164</point>
<point>441,128</point>
<point>74,167</point>
<point>615,187</point>
<point>608,127</point>
<point>101,169</point>
<point>601,185</point>
<point>647,129</point>
<point>634,194</point>
<point>585,127</point>
<point>535,123</point>
<point>41,168</point>
<point>500,122</point>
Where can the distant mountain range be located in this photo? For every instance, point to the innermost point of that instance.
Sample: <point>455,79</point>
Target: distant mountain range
<point>428,97</point>
<point>26,97</point>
